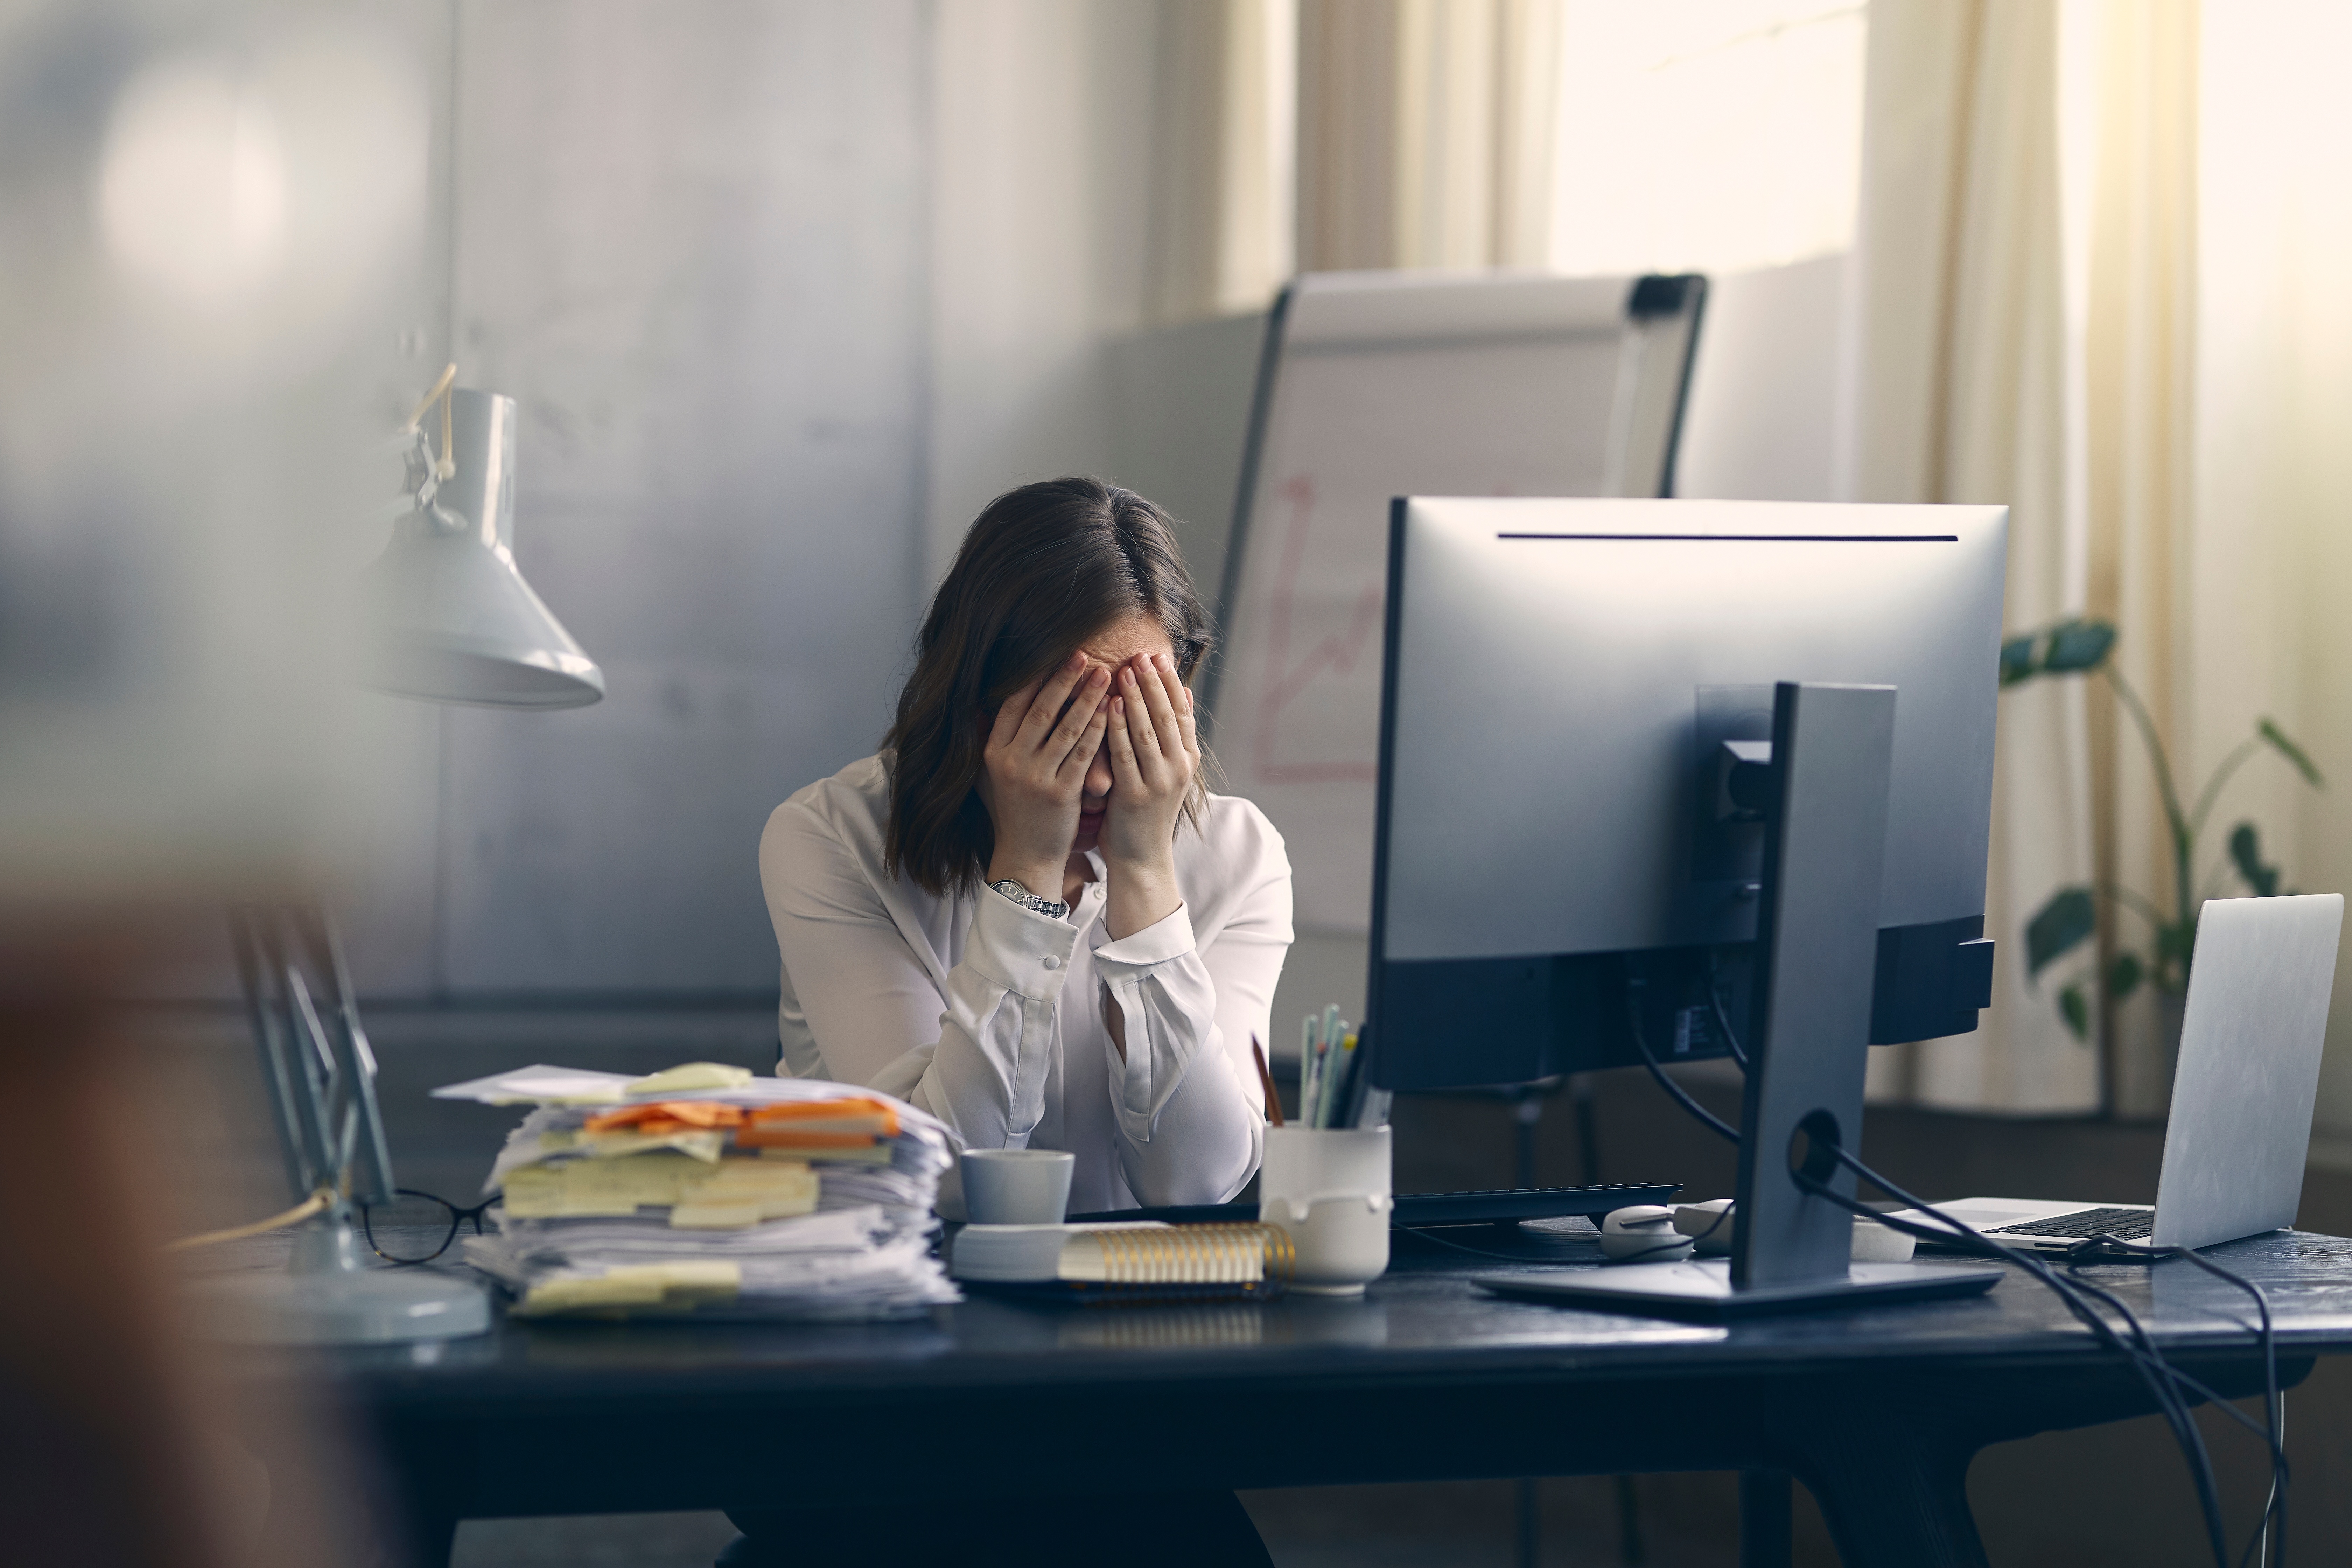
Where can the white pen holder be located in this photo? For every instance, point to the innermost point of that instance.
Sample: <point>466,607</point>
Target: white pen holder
<point>1329,1189</point>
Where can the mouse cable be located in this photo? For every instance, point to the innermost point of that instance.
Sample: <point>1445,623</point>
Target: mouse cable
<point>1674,1245</point>
<point>1423,1235</point>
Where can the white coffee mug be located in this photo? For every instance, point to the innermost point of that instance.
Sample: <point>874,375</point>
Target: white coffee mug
<point>1017,1186</point>
<point>1329,1191</point>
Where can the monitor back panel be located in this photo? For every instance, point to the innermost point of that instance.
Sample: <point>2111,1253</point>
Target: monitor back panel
<point>1561,671</point>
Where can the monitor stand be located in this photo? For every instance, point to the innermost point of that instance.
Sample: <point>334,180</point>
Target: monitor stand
<point>1817,945</point>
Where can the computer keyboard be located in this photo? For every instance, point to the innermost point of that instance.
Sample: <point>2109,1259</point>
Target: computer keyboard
<point>1489,1206</point>
<point>2124,1224</point>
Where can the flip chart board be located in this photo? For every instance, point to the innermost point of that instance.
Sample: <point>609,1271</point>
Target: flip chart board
<point>1377,385</point>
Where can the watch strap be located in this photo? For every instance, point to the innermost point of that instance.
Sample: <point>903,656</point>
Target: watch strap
<point>1027,899</point>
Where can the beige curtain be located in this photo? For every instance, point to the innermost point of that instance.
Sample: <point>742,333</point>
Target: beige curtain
<point>2139,365</point>
<point>1959,347</point>
<point>2270,558</point>
<point>1426,131</point>
<point>1225,131</point>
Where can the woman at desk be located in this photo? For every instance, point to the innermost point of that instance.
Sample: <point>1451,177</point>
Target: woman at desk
<point>1027,914</point>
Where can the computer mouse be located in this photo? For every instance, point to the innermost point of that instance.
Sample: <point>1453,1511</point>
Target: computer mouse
<point>1642,1233</point>
<point>1709,1224</point>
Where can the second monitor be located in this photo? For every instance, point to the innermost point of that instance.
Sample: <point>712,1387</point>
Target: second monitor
<point>1573,697</point>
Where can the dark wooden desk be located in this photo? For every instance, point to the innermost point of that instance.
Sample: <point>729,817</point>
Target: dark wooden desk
<point>1427,1378</point>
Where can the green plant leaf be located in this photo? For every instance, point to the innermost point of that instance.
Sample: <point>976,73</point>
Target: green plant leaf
<point>2075,1008</point>
<point>2124,974</point>
<point>2059,927</point>
<point>2077,646</point>
<point>2292,753</point>
<point>2017,661</point>
<point>2246,853</point>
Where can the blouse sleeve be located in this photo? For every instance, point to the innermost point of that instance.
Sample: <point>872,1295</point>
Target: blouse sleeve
<point>976,1056</point>
<point>1189,1111</point>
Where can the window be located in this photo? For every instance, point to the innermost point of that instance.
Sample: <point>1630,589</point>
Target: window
<point>1708,135</point>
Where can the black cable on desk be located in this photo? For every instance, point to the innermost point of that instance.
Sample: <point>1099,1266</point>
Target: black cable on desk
<point>2274,1400</point>
<point>1676,1244</point>
<point>1483,1252</point>
<point>2164,1382</point>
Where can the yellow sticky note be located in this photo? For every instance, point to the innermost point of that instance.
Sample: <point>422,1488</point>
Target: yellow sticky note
<point>681,1284</point>
<point>702,1145</point>
<point>747,1190</point>
<point>690,1075</point>
<point>742,1193</point>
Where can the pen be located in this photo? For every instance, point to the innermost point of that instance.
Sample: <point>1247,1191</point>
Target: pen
<point>1266,1082</point>
<point>1331,1032</point>
<point>1335,1082</point>
<point>1310,1067</point>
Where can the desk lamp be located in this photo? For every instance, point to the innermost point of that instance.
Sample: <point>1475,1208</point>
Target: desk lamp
<point>453,621</point>
<point>456,622</point>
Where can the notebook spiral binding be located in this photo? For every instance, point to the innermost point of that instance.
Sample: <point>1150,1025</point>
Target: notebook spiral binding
<point>1191,1263</point>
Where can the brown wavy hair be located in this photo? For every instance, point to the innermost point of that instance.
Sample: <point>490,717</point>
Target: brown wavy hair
<point>1044,568</point>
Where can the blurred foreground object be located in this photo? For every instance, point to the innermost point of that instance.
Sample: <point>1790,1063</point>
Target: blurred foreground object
<point>209,214</point>
<point>454,619</point>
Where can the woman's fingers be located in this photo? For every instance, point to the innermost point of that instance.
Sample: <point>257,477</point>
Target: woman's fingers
<point>1081,756</point>
<point>1084,705</point>
<point>1008,718</point>
<point>1159,688</point>
<point>1125,774</point>
<point>1038,726</point>
<point>1182,695</point>
<point>1139,715</point>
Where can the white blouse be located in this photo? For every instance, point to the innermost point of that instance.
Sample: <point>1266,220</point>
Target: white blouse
<point>990,1016</point>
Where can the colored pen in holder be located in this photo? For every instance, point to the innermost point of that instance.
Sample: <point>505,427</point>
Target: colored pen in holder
<point>1333,1091</point>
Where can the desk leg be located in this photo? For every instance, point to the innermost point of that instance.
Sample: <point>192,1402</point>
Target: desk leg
<point>432,1539</point>
<point>1764,1504</point>
<point>1892,1500</point>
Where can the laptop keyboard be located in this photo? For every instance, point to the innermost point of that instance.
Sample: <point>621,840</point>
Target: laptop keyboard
<point>2124,1224</point>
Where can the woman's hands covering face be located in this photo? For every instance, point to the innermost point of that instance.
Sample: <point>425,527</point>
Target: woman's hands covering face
<point>1036,763</point>
<point>1154,756</point>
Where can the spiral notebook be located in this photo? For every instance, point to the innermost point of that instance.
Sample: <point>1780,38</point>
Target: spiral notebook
<point>1144,1260</point>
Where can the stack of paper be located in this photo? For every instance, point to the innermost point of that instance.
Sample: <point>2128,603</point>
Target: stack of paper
<point>705,1192</point>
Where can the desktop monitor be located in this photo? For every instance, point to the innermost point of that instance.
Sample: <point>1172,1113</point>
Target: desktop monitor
<point>1563,852</point>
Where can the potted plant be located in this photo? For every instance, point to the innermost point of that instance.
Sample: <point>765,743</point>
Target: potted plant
<point>2160,957</point>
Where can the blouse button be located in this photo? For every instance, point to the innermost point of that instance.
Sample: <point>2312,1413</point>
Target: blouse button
<point>1053,963</point>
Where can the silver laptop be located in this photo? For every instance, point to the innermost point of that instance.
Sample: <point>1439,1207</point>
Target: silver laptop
<point>2242,1099</point>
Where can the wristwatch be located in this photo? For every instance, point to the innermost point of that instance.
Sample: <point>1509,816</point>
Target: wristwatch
<point>1027,899</point>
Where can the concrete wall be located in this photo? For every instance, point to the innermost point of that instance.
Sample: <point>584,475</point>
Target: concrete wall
<point>691,240</point>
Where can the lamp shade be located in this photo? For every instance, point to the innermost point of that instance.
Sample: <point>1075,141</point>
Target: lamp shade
<point>454,620</point>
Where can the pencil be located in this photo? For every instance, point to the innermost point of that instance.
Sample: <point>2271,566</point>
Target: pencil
<point>1265,1081</point>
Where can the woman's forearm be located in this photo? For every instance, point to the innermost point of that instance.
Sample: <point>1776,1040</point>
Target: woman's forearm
<point>1206,1144</point>
<point>1138,896</point>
